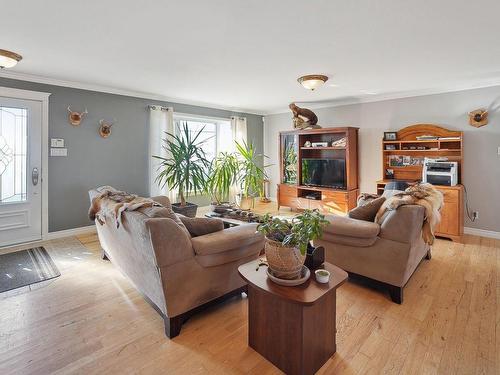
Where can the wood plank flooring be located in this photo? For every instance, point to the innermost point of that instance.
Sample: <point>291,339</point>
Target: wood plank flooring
<point>91,320</point>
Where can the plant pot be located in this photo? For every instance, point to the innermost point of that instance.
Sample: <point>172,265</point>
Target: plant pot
<point>286,262</point>
<point>220,208</point>
<point>315,257</point>
<point>245,203</point>
<point>188,210</point>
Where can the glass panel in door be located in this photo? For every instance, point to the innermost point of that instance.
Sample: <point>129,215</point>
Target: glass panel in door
<point>13,154</point>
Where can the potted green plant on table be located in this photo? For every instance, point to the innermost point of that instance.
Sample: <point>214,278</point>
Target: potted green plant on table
<point>251,174</point>
<point>222,175</point>
<point>185,167</point>
<point>287,241</point>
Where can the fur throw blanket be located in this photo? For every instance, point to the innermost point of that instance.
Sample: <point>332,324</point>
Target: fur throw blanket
<point>111,203</point>
<point>424,195</point>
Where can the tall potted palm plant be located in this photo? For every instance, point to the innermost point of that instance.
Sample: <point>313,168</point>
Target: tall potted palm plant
<point>222,176</point>
<point>185,167</point>
<point>251,174</point>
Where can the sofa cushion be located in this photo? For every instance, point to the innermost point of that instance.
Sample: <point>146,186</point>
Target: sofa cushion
<point>367,210</point>
<point>162,212</point>
<point>348,240</point>
<point>346,226</point>
<point>227,239</point>
<point>199,226</point>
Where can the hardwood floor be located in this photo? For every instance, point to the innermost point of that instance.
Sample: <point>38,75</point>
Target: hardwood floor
<point>91,320</point>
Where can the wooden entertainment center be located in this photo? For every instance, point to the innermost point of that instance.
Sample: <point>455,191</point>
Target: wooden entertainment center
<point>448,144</point>
<point>297,151</point>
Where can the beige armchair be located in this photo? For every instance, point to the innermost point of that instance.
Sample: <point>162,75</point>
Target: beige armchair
<point>179,264</point>
<point>387,254</point>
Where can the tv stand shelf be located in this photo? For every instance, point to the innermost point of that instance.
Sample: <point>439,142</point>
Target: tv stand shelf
<point>291,190</point>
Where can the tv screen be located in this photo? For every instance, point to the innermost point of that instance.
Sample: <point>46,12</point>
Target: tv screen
<point>324,173</point>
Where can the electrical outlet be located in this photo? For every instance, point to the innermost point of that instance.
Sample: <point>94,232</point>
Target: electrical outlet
<point>475,215</point>
<point>498,150</point>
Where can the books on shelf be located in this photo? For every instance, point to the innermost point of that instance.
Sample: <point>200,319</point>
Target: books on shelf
<point>404,160</point>
<point>449,138</point>
<point>427,138</point>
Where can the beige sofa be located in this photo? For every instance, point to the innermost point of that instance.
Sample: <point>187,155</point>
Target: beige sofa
<point>386,254</point>
<point>179,271</point>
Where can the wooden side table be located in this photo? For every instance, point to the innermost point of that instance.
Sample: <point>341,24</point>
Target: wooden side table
<point>292,327</point>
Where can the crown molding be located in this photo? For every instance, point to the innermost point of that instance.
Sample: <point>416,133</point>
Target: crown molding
<point>118,91</point>
<point>394,95</point>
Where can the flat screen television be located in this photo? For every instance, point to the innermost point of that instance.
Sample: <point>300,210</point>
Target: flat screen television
<point>324,173</point>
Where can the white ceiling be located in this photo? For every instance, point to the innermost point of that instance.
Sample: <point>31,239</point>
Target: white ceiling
<point>248,54</point>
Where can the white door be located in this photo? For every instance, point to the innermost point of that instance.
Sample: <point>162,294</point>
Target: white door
<point>20,171</point>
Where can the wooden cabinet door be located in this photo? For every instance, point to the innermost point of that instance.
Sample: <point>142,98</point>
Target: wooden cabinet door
<point>334,202</point>
<point>450,213</point>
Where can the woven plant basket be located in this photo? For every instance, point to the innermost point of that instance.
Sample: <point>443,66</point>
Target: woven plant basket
<point>285,262</point>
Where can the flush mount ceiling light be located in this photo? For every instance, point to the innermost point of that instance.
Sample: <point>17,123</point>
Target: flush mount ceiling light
<point>312,81</point>
<point>9,59</point>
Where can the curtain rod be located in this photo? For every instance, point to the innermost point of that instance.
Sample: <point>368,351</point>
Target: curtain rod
<point>154,107</point>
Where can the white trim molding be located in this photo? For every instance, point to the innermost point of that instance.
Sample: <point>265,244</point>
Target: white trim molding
<point>72,232</point>
<point>119,91</point>
<point>482,233</point>
<point>42,97</point>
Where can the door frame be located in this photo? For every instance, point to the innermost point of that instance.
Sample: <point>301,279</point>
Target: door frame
<point>42,97</point>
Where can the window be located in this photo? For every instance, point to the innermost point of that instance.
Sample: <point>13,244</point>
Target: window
<point>216,133</point>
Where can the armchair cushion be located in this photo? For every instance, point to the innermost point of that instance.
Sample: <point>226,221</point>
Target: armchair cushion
<point>367,210</point>
<point>226,240</point>
<point>345,226</point>
<point>162,212</point>
<point>199,226</point>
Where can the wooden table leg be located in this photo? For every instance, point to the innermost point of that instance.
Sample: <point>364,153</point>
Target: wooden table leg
<point>296,338</point>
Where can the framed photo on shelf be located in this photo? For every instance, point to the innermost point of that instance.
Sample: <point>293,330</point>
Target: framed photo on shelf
<point>390,136</point>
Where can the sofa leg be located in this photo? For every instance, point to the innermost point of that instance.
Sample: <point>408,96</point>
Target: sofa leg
<point>428,256</point>
<point>396,294</point>
<point>173,326</point>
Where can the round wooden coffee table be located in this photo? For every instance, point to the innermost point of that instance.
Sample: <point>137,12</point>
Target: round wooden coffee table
<point>292,327</point>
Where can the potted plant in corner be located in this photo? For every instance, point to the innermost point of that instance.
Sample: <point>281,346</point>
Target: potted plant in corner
<point>287,241</point>
<point>223,173</point>
<point>184,169</point>
<point>251,174</point>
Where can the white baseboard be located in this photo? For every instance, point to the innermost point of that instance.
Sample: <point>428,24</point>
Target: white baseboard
<point>71,232</point>
<point>482,232</point>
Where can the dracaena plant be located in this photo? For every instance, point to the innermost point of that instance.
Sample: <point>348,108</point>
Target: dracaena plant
<point>298,232</point>
<point>223,174</point>
<point>185,167</point>
<point>251,172</point>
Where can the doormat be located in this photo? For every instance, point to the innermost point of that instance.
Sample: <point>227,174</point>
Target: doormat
<point>26,267</point>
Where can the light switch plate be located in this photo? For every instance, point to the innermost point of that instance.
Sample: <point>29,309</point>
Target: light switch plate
<point>58,152</point>
<point>56,142</point>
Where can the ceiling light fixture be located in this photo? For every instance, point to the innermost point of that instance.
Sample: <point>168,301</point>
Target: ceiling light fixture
<point>9,59</point>
<point>312,81</point>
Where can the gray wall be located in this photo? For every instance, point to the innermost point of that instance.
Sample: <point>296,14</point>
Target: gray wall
<point>481,160</point>
<point>120,160</point>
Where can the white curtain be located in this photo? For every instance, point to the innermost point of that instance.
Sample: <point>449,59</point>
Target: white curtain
<point>239,130</point>
<point>161,120</point>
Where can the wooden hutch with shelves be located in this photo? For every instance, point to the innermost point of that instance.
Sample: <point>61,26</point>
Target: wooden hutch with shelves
<point>322,177</point>
<point>402,159</point>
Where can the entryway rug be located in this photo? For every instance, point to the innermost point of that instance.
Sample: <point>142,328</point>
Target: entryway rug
<point>26,267</point>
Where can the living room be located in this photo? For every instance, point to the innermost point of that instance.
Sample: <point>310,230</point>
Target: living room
<point>249,188</point>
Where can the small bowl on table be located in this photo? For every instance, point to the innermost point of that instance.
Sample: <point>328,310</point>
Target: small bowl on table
<point>322,276</point>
